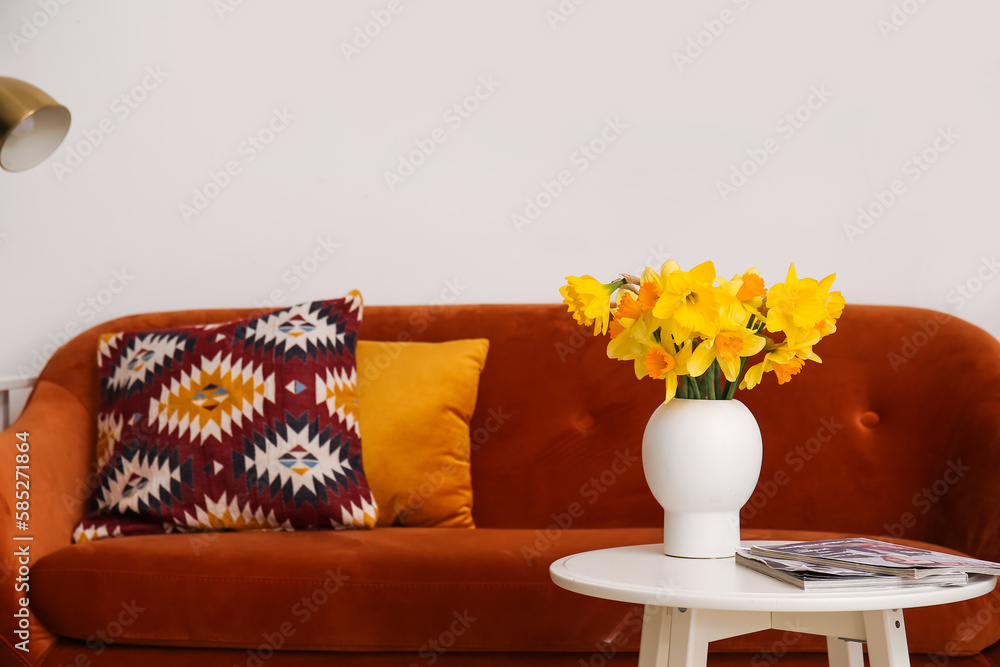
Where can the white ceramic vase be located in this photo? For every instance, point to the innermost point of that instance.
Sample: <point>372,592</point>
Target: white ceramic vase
<point>702,459</point>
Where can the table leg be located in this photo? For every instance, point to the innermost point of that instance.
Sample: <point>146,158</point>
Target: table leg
<point>886,638</point>
<point>688,639</point>
<point>844,653</point>
<point>679,636</point>
<point>655,640</point>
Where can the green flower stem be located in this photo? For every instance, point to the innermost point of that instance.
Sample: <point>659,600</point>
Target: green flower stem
<point>731,389</point>
<point>710,381</point>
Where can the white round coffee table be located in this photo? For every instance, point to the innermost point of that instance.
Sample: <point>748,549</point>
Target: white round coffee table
<point>691,602</point>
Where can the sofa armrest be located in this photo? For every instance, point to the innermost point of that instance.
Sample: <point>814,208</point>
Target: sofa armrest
<point>8,384</point>
<point>61,435</point>
<point>965,501</point>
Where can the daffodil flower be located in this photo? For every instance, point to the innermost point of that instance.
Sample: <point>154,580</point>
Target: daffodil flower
<point>634,331</point>
<point>627,307</point>
<point>784,372</point>
<point>798,306</point>
<point>660,279</point>
<point>649,293</point>
<point>729,346</point>
<point>671,323</point>
<point>630,344</point>
<point>692,301</point>
<point>589,300</point>
<point>748,289</point>
<point>651,283</point>
<point>781,360</point>
<point>662,365</point>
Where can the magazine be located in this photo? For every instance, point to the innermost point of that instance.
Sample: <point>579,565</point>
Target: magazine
<point>822,577</point>
<point>859,553</point>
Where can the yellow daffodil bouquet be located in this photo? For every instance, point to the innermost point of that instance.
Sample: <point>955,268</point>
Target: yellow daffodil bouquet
<point>698,331</point>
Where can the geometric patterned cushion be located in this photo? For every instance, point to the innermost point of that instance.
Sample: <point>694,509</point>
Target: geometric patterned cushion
<point>249,424</point>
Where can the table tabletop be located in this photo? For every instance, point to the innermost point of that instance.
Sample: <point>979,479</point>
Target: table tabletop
<point>643,574</point>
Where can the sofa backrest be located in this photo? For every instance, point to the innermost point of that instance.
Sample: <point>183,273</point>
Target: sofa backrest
<point>864,442</point>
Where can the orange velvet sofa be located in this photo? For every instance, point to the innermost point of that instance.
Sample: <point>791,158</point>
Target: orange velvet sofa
<point>896,434</point>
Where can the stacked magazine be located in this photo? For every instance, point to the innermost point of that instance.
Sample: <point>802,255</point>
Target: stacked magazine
<point>859,562</point>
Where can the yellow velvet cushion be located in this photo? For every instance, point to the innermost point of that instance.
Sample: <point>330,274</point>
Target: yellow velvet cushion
<point>415,401</point>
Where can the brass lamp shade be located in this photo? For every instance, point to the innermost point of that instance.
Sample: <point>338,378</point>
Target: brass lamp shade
<point>32,125</point>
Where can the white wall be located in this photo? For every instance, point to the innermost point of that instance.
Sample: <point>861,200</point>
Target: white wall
<point>446,232</point>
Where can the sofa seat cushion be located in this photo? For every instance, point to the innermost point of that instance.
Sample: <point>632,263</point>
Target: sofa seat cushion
<point>423,590</point>
<point>387,589</point>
